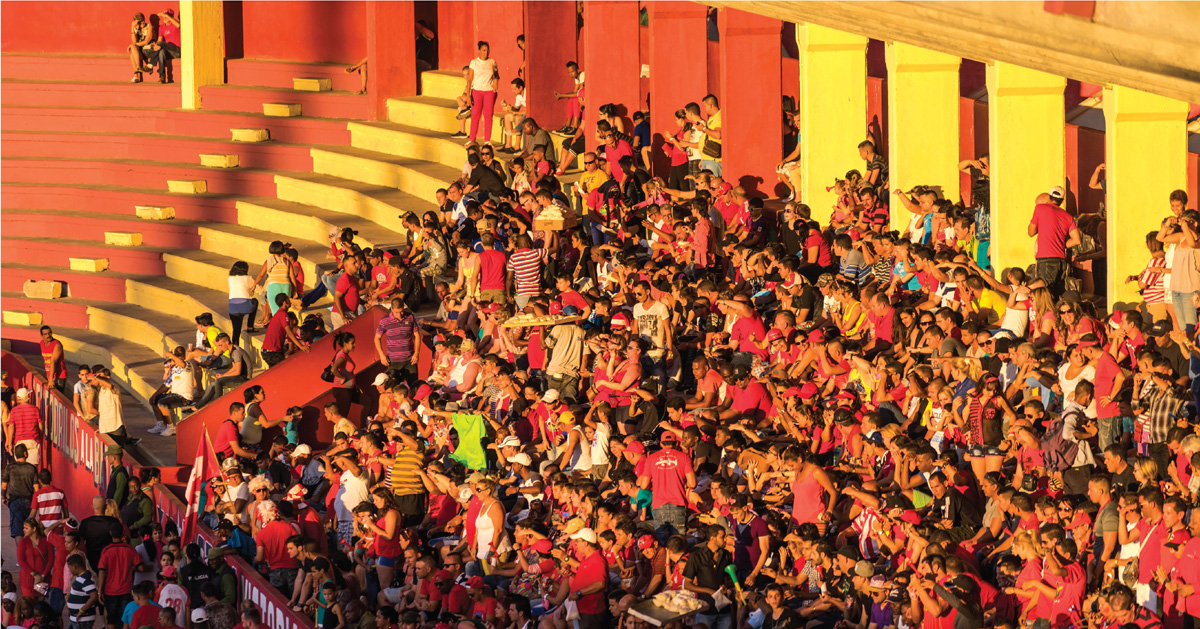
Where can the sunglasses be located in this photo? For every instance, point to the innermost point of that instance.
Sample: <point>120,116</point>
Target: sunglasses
<point>1066,312</point>
<point>589,162</point>
<point>926,323</point>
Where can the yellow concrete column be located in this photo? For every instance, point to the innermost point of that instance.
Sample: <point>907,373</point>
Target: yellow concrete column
<point>833,111</point>
<point>1145,147</point>
<point>922,122</point>
<point>1027,145</point>
<point>202,26</point>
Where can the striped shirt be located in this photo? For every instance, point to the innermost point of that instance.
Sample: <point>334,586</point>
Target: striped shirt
<point>404,478</point>
<point>82,587</point>
<point>526,267</point>
<point>398,336</point>
<point>49,505</point>
<point>26,421</point>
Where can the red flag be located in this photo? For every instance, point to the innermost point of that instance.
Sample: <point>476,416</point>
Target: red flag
<point>203,468</point>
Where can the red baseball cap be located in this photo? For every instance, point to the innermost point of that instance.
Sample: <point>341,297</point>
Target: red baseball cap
<point>556,307</point>
<point>636,447</point>
<point>774,335</point>
<point>646,541</point>
<point>809,390</point>
<point>725,188</point>
<point>542,546</point>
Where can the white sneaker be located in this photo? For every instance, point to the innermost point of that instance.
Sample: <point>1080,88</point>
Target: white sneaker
<point>170,430</point>
<point>158,428</point>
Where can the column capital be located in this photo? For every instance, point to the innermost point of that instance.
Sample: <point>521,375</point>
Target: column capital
<point>814,38</point>
<point>903,57</point>
<point>1006,79</point>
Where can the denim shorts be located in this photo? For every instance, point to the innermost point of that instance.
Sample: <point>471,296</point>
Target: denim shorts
<point>980,451</point>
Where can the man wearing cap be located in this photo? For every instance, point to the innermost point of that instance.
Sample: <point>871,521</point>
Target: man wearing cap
<point>1056,232</point>
<point>406,478</point>
<point>589,585</point>
<point>24,426</point>
<point>398,342</point>
<point>167,45</point>
<point>564,346</point>
<point>668,474</point>
<point>118,477</point>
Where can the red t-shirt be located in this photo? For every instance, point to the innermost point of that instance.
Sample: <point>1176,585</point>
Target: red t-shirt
<point>146,615</point>
<point>457,600</point>
<point>118,561</point>
<point>668,469</point>
<point>1152,545</point>
<point>272,538</point>
<point>430,591</point>
<point>824,255</point>
<point>1107,371</point>
<point>882,325</point>
<point>613,157</point>
<point>492,265</point>
<point>1187,570</point>
<point>572,298</point>
<point>349,290</point>
<point>60,368</point>
<point>228,433</point>
<point>484,609</point>
<point>591,571</point>
<point>711,383</point>
<point>1054,226</point>
<point>275,335</point>
<point>754,400</point>
<point>747,330</point>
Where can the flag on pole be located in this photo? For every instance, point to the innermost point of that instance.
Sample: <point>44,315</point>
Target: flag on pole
<point>203,468</point>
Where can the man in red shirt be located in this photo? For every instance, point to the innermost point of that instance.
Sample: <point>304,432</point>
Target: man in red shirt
<point>1056,232</point>
<point>590,582</point>
<point>24,425</point>
<point>1109,381</point>
<point>345,296</point>
<point>493,265</point>
<point>49,503</point>
<point>54,359</point>
<point>272,548</point>
<point>668,474</point>
<point>118,561</point>
<point>146,615</point>
<point>167,46</point>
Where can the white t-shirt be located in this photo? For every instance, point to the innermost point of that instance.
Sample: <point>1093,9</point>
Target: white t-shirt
<point>352,491</point>
<point>175,597</point>
<point>519,101</point>
<point>649,322</point>
<point>579,80</point>
<point>181,382</point>
<point>600,444</point>
<point>240,286</point>
<point>485,75</point>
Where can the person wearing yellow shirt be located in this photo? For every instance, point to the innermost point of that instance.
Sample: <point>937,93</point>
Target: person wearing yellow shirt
<point>710,125</point>
<point>593,177</point>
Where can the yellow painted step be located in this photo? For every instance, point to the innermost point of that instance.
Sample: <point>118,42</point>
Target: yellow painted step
<point>248,248</point>
<point>250,135</point>
<point>339,199</point>
<point>91,265</point>
<point>87,353</point>
<point>434,114</point>
<point>170,302</point>
<point>281,110</point>
<point>439,149</point>
<point>296,226</point>
<point>196,272</point>
<point>309,84</point>
<point>187,186</point>
<point>135,330</point>
<point>43,289</point>
<point>12,317</point>
<point>219,160</point>
<point>123,239</point>
<point>376,172</point>
<point>443,83</point>
<point>154,212</point>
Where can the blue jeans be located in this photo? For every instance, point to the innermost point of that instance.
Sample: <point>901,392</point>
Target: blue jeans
<point>671,515</point>
<point>18,512</point>
<point>715,167</point>
<point>1182,304</point>
<point>719,620</point>
<point>54,597</point>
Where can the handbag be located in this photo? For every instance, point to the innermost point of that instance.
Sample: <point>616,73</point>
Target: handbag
<point>327,375</point>
<point>712,148</point>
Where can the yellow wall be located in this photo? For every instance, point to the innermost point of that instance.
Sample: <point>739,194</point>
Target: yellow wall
<point>1146,159</point>
<point>833,111</point>
<point>1027,143</point>
<point>922,122</point>
<point>202,26</point>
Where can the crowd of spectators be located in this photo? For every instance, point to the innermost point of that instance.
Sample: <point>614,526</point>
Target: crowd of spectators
<point>642,383</point>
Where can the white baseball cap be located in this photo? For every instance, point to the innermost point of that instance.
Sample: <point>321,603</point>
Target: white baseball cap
<point>587,535</point>
<point>1058,192</point>
<point>380,380</point>
<point>521,458</point>
<point>199,615</point>
<point>22,393</point>
<point>551,395</point>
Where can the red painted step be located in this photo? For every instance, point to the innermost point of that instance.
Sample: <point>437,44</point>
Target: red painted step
<point>59,253</point>
<point>93,94</point>
<point>115,68</point>
<point>280,73</point>
<point>116,200</point>
<point>312,104</point>
<point>174,122</point>
<point>106,286</point>
<point>183,149</point>
<point>239,181</point>
<point>54,312</point>
<point>79,226</point>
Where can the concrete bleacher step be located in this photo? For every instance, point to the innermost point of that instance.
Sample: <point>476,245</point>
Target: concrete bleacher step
<point>408,141</point>
<point>279,74</point>
<point>133,364</point>
<point>378,204</point>
<point>298,221</point>
<point>417,177</point>
<point>26,319</point>
<point>65,67</point>
<point>65,311</point>
<point>53,93</point>
<point>319,104</point>
<point>121,200</point>
<point>106,286</point>
<point>203,123</point>
<point>175,178</point>
<point>312,84</point>
<point>282,110</point>
<point>92,226</point>
<point>58,252</point>
<point>446,84</point>
<point>156,147</point>
<point>435,114</point>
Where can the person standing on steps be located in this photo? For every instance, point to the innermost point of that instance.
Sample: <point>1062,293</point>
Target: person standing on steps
<point>54,359</point>
<point>483,75</point>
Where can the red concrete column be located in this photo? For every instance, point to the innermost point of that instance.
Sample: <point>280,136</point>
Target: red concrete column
<point>456,34</point>
<point>751,112</point>
<point>499,24</point>
<point>611,61</point>
<point>678,68</point>
<point>550,38</point>
<point>391,53</point>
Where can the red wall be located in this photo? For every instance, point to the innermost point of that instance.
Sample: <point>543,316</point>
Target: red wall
<point>972,138</point>
<point>1085,151</point>
<point>304,31</point>
<point>96,27</point>
<point>1193,180</point>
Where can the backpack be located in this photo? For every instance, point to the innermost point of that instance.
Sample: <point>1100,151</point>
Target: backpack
<point>1057,451</point>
